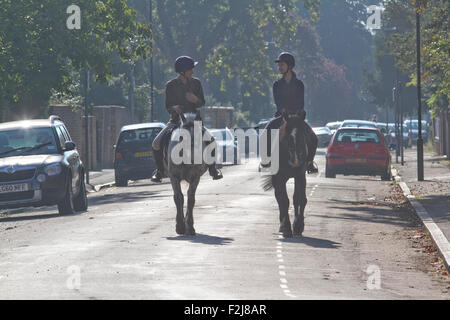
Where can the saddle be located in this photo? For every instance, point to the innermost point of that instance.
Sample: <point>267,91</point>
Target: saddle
<point>187,121</point>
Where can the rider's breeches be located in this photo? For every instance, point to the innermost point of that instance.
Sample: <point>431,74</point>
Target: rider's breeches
<point>311,138</point>
<point>157,143</point>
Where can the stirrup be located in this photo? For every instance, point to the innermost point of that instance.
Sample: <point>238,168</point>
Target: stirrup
<point>216,175</point>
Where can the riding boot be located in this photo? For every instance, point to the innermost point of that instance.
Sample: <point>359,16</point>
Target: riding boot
<point>215,173</point>
<point>159,160</point>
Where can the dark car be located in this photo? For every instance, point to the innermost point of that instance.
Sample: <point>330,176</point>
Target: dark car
<point>40,166</point>
<point>358,151</point>
<point>133,155</point>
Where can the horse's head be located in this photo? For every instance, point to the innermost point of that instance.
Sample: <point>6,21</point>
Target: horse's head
<point>295,141</point>
<point>187,120</point>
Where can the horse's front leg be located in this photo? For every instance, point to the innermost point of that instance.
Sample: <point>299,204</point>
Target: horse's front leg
<point>179,202</point>
<point>189,220</point>
<point>283,205</point>
<point>300,201</point>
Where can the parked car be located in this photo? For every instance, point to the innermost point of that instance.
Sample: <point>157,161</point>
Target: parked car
<point>40,166</point>
<point>384,129</point>
<point>413,126</point>
<point>324,136</point>
<point>358,151</point>
<point>358,124</point>
<point>226,146</point>
<point>333,126</point>
<point>133,152</point>
<point>407,138</point>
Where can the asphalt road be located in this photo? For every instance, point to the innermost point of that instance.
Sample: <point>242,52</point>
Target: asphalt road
<point>125,246</point>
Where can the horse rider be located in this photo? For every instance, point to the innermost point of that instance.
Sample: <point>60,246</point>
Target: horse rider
<point>289,96</point>
<point>183,94</point>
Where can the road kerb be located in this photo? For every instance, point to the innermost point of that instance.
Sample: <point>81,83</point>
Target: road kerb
<point>97,188</point>
<point>437,235</point>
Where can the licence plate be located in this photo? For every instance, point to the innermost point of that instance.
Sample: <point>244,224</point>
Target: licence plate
<point>143,154</point>
<point>356,160</point>
<point>14,188</point>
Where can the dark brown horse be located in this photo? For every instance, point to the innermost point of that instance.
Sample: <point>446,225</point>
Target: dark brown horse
<point>293,153</point>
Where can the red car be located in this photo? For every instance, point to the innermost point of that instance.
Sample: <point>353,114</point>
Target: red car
<point>358,151</point>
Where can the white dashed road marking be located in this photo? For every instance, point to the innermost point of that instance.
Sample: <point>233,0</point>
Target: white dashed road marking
<point>282,272</point>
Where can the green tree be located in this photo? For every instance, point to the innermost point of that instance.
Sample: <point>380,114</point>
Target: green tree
<point>38,53</point>
<point>435,46</point>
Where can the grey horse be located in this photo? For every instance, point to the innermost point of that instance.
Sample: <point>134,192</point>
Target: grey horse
<point>190,170</point>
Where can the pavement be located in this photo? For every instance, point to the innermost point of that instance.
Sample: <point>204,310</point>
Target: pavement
<point>432,195</point>
<point>99,179</point>
<point>359,243</point>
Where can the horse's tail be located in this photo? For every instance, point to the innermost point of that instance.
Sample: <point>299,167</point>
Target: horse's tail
<point>267,183</point>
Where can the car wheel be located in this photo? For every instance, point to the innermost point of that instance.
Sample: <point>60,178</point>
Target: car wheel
<point>387,176</point>
<point>80,202</point>
<point>66,207</point>
<point>329,173</point>
<point>120,180</point>
<point>237,158</point>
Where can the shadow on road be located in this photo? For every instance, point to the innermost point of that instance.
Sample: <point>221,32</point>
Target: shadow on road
<point>125,197</point>
<point>313,242</point>
<point>39,217</point>
<point>203,238</point>
<point>376,212</point>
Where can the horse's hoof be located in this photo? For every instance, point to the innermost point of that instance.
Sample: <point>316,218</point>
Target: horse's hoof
<point>190,232</point>
<point>287,234</point>
<point>180,229</point>
<point>298,230</point>
<point>297,234</point>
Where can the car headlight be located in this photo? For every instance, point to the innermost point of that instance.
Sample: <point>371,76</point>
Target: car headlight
<point>53,169</point>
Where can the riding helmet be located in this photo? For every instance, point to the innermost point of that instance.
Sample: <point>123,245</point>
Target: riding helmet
<point>287,58</point>
<point>184,63</point>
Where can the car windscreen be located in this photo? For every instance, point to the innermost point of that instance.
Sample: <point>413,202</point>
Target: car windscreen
<point>138,136</point>
<point>321,131</point>
<point>357,136</point>
<point>333,126</point>
<point>358,125</point>
<point>27,141</point>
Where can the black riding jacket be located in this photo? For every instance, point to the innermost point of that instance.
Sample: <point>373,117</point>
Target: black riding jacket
<point>289,96</point>
<point>176,95</point>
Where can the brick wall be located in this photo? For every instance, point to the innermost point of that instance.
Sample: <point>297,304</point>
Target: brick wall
<point>104,129</point>
<point>109,121</point>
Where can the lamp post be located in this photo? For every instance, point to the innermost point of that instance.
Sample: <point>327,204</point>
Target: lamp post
<point>402,146</point>
<point>151,61</point>
<point>420,173</point>
<point>86,121</point>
